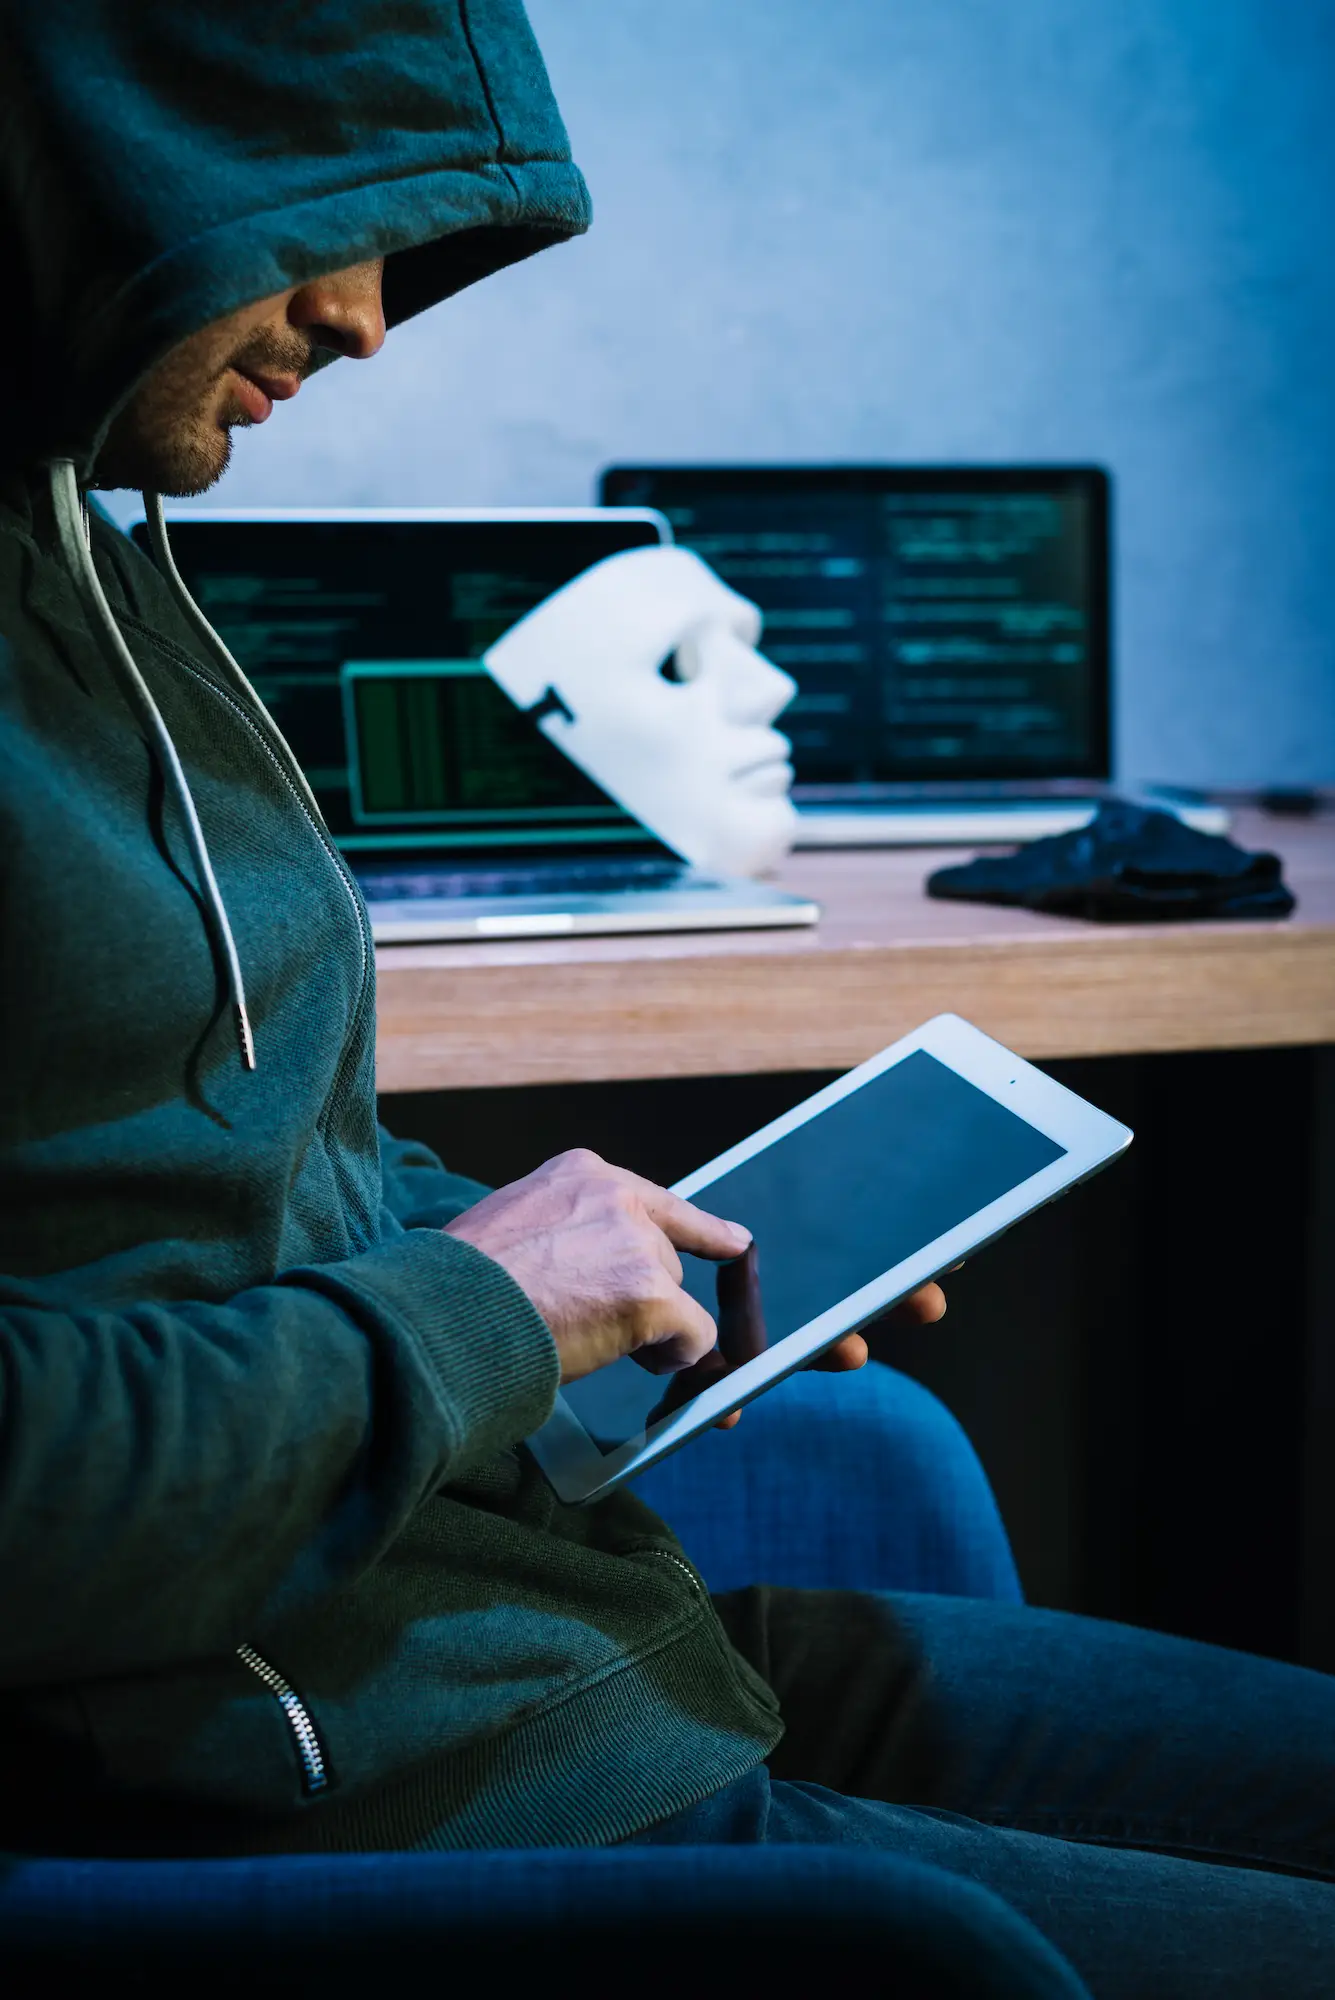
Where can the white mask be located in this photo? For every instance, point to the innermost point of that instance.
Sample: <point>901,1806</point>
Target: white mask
<point>696,761</point>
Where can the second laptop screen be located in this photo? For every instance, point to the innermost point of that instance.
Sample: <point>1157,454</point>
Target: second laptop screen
<point>941,626</point>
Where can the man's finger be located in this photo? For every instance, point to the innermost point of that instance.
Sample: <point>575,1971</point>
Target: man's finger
<point>691,1228</point>
<point>667,1256</point>
<point>850,1352</point>
<point>688,1383</point>
<point>675,1333</point>
<point>922,1308</point>
<point>741,1310</point>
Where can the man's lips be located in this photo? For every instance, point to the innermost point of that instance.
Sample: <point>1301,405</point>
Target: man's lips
<point>257,394</point>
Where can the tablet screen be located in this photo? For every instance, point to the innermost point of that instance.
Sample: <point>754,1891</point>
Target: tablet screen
<point>835,1203</point>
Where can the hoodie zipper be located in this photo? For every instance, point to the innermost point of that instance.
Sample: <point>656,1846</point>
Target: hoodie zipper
<point>665,1555</point>
<point>314,1776</point>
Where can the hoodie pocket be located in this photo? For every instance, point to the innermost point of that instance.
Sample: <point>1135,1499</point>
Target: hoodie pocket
<point>230,1734</point>
<point>305,1737</point>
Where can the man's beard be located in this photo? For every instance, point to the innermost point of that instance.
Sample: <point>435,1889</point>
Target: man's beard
<point>174,435</point>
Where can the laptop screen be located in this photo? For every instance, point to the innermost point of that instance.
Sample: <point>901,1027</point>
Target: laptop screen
<point>363,638</point>
<point>944,626</point>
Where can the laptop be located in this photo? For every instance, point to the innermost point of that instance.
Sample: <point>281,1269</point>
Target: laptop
<point>362,631</point>
<point>949,631</point>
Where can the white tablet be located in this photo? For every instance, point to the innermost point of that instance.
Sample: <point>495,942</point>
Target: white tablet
<point>869,1189</point>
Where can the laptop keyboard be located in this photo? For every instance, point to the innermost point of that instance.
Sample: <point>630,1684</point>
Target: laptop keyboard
<point>563,878</point>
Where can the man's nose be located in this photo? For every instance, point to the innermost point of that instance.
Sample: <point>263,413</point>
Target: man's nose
<point>343,311</point>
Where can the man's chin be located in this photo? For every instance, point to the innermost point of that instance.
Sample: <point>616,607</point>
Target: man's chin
<point>178,468</point>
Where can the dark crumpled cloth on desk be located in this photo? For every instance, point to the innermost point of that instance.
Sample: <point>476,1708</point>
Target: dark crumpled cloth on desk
<point>1129,865</point>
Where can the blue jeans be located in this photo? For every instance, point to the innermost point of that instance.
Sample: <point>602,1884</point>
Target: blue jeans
<point>1163,1811</point>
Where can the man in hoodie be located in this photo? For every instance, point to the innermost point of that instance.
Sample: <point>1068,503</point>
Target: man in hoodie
<point>277,1572</point>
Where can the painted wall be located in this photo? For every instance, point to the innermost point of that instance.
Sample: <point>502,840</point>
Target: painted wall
<point>918,229</point>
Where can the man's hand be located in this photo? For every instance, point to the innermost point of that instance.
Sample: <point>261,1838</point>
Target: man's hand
<point>595,1248</point>
<point>921,1308</point>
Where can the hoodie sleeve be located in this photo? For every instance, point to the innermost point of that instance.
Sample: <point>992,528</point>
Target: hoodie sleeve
<point>419,1192</point>
<point>173,1475</point>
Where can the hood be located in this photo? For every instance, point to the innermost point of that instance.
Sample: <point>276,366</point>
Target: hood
<point>163,162</point>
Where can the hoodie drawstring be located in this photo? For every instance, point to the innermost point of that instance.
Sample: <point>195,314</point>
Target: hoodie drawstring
<point>214,647</point>
<point>67,503</point>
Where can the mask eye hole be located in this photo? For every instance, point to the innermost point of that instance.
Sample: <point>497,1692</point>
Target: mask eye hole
<point>670,669</point>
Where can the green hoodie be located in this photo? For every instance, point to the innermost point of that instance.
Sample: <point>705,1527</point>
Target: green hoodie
<point>276,1571</point>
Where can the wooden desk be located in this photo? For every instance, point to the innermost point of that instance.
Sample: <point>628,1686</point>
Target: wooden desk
<point>883,958</point>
